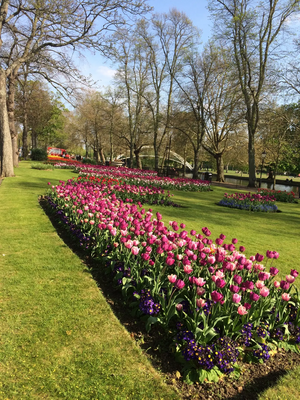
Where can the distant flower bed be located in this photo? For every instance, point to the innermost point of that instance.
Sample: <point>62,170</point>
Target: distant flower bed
<point>249,201</point>
<point>130,193</point>
<point>279,195</point>
<point>140,177</point>
<point>65,165</point>
<point>216,305</point>
<point>62,159</point>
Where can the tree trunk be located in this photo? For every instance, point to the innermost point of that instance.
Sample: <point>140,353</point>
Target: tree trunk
<point>25,136</point>
<point>102,157</point>
<point>11,118</point>
<point>196,165</point>
<point>138,158</point>
<point>220,167</point>
<point>251,160</point>
<point>7,165</point>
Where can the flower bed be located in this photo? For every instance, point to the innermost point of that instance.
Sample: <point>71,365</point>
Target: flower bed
<point>220,305</point>
<point>130,193</point>
<point>279,195</point>
<point>249,201</point>
<point>140,177</point>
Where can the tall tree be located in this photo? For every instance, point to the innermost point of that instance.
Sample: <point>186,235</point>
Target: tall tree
<point>38,25</point>
<point>168,39</point>
<point>222,104</point>
<point>253,29</point>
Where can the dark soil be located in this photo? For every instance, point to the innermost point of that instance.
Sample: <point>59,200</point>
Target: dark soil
<point>254,378</point>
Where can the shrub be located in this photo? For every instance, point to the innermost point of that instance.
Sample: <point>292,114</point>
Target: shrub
<point>38,155</point>
<point>41,166</point>
<point>89,161</point>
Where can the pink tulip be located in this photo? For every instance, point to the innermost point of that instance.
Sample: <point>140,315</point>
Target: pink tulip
<point>135,250</point>
<point>290,278</point>
<point>285,296</point>
<point>211,259</point>
<point>172,278</point>
<point>236,298</point>
<point>170,261</point>
<point>179,307</point>
<point>264,292</point>
<point>259,284</point>
<point>200,303</point>
<point>187,269</point>
<point>276,284</point>
<point>180,284</point>
<point>200,291</point>
<point>199,281</point>
<point>242,310</point>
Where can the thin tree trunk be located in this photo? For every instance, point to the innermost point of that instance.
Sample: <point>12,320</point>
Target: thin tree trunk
<point>11,118</point>
<point>196,165</point>
<point>138,158</point>
<point>7,165</point>
<point>220,167</point>
<point>251,161</point>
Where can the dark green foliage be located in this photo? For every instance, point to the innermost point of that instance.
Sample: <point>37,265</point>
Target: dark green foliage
<point>38,155</point>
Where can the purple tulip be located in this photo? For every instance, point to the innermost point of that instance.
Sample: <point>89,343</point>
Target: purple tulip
<point>254,296</point>
<point>284,285</point>
<point>216,296</point>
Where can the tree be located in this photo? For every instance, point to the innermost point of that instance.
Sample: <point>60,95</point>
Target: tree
<point>222,104</point>
<point>39,25</point>
<point>168,38</point>
<point>132,79</point>
<point>280,128</point>
<point>253,29</point>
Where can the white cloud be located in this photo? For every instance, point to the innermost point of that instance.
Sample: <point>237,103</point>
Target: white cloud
<point>106,71</point>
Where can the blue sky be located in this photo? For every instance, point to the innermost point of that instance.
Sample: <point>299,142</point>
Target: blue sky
<point>102,71</point>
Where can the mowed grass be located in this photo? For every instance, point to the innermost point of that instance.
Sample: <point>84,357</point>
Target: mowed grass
<point>59,338</point>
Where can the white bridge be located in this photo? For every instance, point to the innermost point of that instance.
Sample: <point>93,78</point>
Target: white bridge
<point>175,157</point>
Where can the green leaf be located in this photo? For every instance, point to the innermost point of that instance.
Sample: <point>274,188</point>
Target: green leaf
<point>151,321</point>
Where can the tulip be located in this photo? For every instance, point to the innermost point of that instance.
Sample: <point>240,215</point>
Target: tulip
<point>242,310</point>
<point>179,284</point>
<point>254,296</point>
<point>135,250</point>
<point>290,278</point>
<point>187,269</point>
<point>172,278</point>
<point>285,296</point>
<point>220,283</point>
<point>284,285</point>
<point>273,271</point>
<point>236,298</point>
<point>216,296</point>
<point>264,292</point>
<point>259,284</point>
<point>200,303</point>
<point>200,291</point>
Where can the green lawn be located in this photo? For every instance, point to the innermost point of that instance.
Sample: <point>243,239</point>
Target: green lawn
<point>59,338</point>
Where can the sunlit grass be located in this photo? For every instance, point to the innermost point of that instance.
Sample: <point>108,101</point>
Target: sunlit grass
<point>59,337</point>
